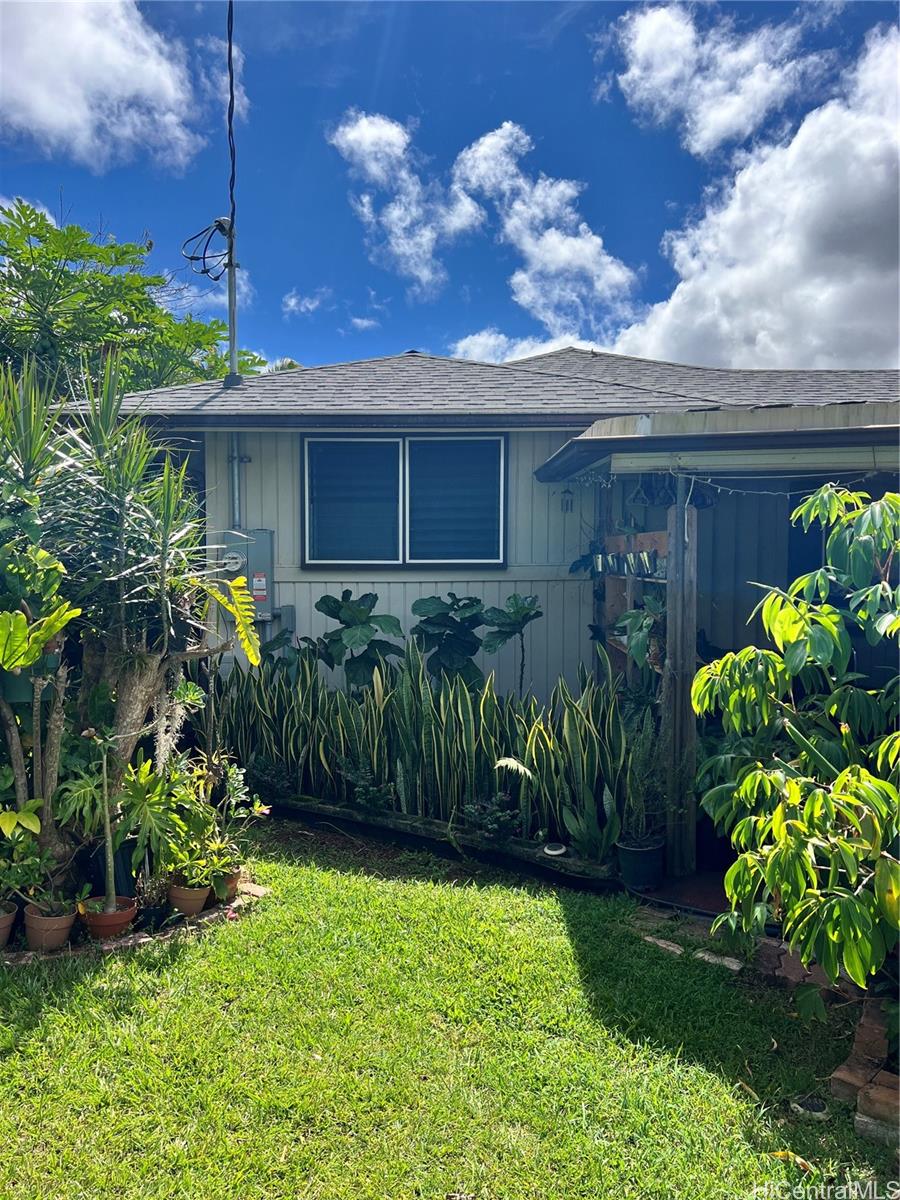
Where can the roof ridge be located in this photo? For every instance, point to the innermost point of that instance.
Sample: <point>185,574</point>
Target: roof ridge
<point>631,387</point>
<point>666,362</point>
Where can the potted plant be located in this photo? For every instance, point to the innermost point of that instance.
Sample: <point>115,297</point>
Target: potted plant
<point>641,847</point>
<point>191,878</point>
<point>23,870</point>
<point>231,816</point>
<point>644,631</point>
<point>49,917</point>
<point>9,910</point>
<point>152,895</point>
<point>108,915</point>
<point>225,860</point>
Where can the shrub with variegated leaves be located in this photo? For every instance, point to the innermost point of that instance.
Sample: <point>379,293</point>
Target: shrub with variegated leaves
<point>809,769</point>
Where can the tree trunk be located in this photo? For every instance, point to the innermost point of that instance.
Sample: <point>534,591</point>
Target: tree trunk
<point>38,683</point>
<point>56,723</point>
<point>50,838</point>
<point>93,671</point>
<point>16,754</point>
<point>137,686</point>
<point>109,904</point>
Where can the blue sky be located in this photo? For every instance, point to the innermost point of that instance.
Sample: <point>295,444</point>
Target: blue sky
<point>714,183</point>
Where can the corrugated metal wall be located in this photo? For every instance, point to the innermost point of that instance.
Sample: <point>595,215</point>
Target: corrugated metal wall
<point>742,538</point>
<point>542,542</point>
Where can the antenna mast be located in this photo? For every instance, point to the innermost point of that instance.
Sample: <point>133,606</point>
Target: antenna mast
<point>233,377</point>
<point>216,263</point>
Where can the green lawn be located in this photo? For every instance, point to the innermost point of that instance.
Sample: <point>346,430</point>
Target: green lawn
<point>388,1025</point>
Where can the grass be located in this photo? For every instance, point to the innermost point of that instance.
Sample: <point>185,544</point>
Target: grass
<point>388,1025</point>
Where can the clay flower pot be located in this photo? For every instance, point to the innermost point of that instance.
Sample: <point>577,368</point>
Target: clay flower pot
<point>187,900</point>
<point>47,933</point>
<point>8,911</point>
<point>101,925</point>
<point>231,885</point>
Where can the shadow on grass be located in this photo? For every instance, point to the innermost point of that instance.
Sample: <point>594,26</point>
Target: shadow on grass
<point>31,991</point>
<point>738,1027</point>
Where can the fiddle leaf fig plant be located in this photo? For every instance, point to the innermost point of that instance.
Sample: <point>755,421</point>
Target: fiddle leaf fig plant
<point>446,633</point>
<point>810,792</point>
<point>510,622</point>
<point>355,645</point>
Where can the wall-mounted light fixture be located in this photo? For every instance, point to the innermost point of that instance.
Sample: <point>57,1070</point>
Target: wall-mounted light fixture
<point>566,500</point>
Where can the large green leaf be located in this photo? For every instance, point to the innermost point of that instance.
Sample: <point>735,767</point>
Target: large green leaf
<point>22,644</point>
<point>387,624</point>
<point>431,606</point>
<point>240,604</point>
<point>355,637</point>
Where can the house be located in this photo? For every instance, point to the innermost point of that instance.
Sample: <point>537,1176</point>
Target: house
<point>412,474</point>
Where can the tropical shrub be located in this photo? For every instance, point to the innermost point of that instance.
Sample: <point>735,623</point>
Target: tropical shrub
<point>429,747</point>
<point>67,299</point>
<point>355,645</point>
<point>810,764</point>
<point>510,622</point>
<point>104,558</point>
<point>446,633</point>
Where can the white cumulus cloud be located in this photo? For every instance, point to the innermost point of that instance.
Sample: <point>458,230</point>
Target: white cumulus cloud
<point>490,345</point>
<point>294,304</point>
<point>95,82</point>
<point>568,280</point>
<point>719,83</point>
<point>794,261</point>
<point>407,227</point>
<point>212,75</point>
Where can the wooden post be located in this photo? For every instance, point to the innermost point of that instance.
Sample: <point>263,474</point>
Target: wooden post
<point>679,727</point>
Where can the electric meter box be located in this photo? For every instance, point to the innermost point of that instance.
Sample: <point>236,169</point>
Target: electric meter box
<point>252,554</point>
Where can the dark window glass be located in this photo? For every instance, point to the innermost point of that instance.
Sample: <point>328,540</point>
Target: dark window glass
<point>354,501</point>
<point>454,500</point>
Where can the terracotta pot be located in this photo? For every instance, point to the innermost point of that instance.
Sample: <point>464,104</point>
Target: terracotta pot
<point>47,933</point>
<point>187,900</point>
<point>101,925</point>
<point>231,885</point>
<point>8,913</point>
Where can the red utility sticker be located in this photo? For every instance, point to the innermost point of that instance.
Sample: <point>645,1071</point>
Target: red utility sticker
<point>258,587</point>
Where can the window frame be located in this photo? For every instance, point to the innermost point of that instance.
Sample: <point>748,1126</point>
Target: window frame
<point>466,437</point>
<point>404,563</point>
<point>307,526</point>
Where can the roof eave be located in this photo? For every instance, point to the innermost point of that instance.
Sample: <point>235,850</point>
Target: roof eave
<point>399,419</point>
<point>582,452</point>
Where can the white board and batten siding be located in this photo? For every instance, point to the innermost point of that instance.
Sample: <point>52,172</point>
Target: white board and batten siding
<point>542,540</point>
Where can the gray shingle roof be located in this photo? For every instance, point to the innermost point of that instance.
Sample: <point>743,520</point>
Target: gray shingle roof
<point>549,389</point>
<point>720,385</point>
<point>410,387</point>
